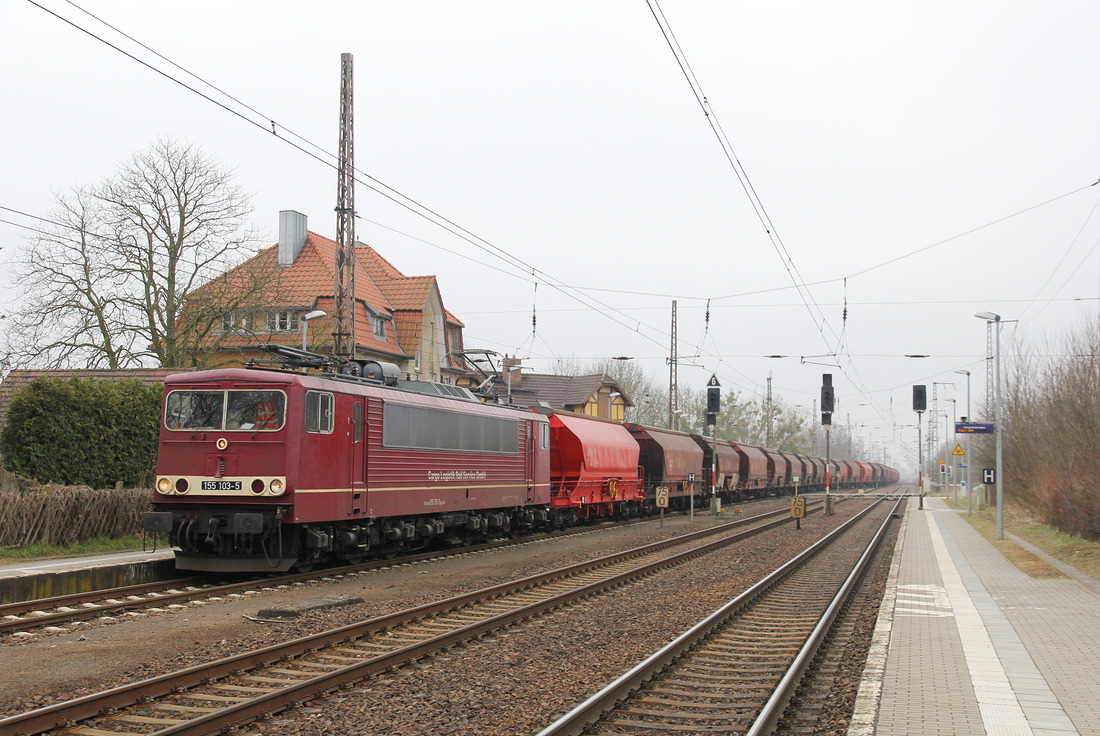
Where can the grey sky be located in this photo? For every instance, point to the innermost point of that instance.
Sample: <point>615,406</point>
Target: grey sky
<point>566,135</point>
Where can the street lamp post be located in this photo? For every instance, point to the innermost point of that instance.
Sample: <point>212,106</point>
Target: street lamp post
<point>992,317</point>
<point>950,457</point>
<point>969,476</point>
<point>510,368</point>
<point>305,323</point>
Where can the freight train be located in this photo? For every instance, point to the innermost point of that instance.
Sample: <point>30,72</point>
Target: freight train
<point>271,467</point>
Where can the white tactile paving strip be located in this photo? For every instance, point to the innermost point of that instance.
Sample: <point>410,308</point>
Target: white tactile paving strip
<point>959,666</point>
<point>1001,711</point>
<point>979,617</point>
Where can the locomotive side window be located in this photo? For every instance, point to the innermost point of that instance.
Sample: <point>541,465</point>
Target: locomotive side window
<point>422,428</point>
<point>228,410</point>
<point>544,436</point>
<point>319,412</point>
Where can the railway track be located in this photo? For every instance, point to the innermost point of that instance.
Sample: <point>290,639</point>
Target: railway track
<point>52,614</point>
<point>737,671</point>
<point>58,614</point>
<point>238,689</point>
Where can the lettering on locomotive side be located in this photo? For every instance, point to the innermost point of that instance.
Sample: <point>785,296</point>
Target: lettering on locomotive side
<point>452,475</point>
<point>435,502</point>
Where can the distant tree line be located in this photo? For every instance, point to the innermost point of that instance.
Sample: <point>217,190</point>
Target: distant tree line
<point>741,420</point>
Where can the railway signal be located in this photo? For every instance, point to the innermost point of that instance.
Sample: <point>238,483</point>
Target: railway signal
<point>714,400</point>
<point>827,406</point>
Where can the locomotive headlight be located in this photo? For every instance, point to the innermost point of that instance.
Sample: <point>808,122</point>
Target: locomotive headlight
<point>222,443</point>
<point>164,485</point>
<point>276,487</point>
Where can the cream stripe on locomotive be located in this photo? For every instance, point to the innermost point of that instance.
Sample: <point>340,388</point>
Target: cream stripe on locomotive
<point>197,485</point>
<point>405,489</point>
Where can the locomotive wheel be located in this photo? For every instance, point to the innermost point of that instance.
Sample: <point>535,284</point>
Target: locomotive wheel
<point>305,563</point>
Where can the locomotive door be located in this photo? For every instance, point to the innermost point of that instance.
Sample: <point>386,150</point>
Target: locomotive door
<point>357,437</point>
<point>532,452</point>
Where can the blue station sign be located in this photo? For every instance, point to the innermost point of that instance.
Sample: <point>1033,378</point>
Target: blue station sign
<point>966,428</point>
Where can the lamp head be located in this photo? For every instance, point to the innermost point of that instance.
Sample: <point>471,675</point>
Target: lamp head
<point>988,316</point>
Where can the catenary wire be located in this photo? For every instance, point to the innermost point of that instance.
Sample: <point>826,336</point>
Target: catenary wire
<point>370,182</point>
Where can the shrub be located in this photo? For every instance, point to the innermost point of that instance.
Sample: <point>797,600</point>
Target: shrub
<point>83,432</point>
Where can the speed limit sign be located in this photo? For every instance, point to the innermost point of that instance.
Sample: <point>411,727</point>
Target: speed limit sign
<point>662,497</point>
<point>798,507</point>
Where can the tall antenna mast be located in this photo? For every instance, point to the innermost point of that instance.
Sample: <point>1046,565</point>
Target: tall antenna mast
<point>343,342</point>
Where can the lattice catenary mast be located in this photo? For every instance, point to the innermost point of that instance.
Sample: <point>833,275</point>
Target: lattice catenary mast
<point>344,331</point>
<point>673,381</point>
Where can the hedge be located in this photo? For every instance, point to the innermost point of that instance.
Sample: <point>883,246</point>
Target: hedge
<point>83,432</point>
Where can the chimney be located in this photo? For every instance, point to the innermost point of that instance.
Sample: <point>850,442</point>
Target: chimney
<point>292,236</point>
<point>513,372</point>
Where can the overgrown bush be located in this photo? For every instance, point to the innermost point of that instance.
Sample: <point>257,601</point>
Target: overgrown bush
<point>1052,434</point>
<point>83,432</point>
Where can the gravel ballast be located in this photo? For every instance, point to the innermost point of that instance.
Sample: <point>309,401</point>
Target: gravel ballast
<point>515,682</point>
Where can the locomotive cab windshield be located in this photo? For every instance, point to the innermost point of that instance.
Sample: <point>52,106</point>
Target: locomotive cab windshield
<point>242,410</point>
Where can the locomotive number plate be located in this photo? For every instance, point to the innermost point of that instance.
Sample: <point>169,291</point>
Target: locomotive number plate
<point>221,485</point>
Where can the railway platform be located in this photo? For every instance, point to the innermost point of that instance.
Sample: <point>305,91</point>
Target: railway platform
<point>29,579</point>
<point>966,643</point>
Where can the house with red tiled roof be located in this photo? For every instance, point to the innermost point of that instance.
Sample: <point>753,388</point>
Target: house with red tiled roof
<point>398,319</point>
<point>596,395</point>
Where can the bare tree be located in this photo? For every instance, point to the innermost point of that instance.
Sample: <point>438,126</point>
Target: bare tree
<point>108,285</point>
<point>71,307</point>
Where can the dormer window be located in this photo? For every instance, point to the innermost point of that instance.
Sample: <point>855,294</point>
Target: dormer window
<point>378,326</point>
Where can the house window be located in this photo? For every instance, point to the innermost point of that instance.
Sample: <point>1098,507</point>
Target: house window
<point>234,322</point>
<point>283,321</point>
<point>378,326</point>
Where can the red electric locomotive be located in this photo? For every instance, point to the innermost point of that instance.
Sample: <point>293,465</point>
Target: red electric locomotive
<point>262,470</point>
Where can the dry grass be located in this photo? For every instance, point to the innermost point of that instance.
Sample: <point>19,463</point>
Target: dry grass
<point>1083,555</point>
